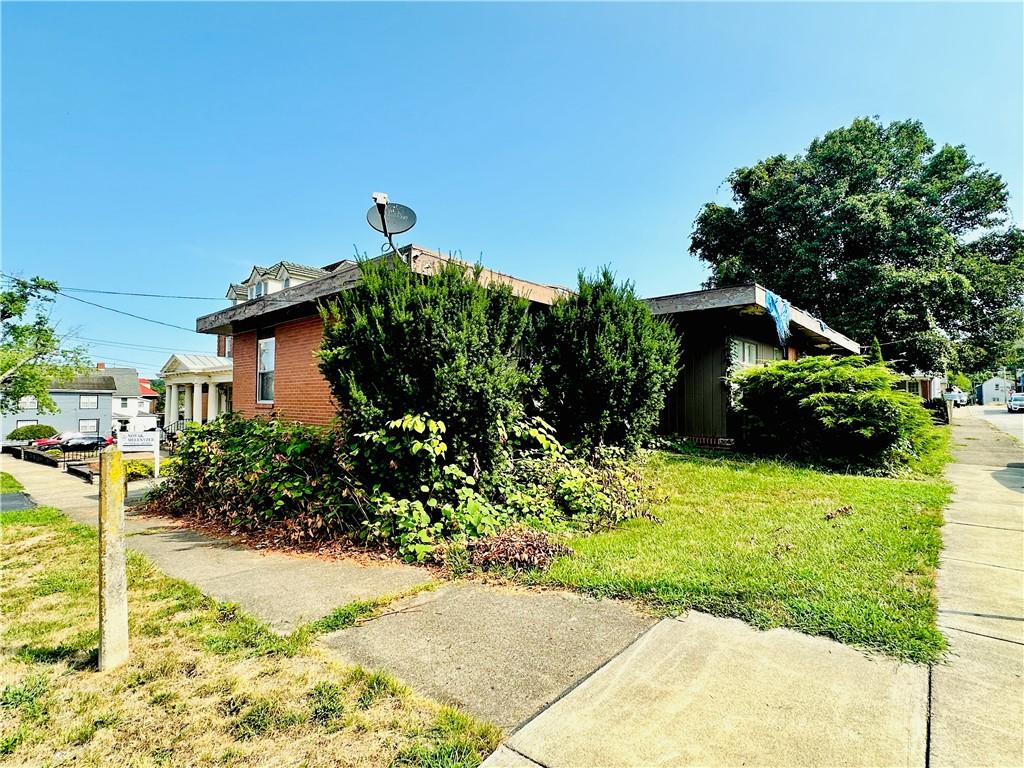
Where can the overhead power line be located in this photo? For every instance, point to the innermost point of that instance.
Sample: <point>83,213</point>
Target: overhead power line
<point>139,347</point>
<point>126,314</point>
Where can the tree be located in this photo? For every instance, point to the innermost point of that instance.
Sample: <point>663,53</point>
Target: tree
<point>33,355</point>
<point>875,356</point>
<point>607,364</point>
<point>160,387</point>
<point>879,233</point>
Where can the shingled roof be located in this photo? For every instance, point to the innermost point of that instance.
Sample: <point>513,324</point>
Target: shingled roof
<point>88,383</point>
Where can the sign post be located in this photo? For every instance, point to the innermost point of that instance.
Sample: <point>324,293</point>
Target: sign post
<point>113,573</point>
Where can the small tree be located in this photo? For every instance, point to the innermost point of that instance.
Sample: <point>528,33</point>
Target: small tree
<point>875,356</point>
<point>33,356</point>
<point>446,345</point>
<point>607,364</point>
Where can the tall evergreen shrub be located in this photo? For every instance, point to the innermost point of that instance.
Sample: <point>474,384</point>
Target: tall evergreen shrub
<point>445,345</point>
<point>607,364</point>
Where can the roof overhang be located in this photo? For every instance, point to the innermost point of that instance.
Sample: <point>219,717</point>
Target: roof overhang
<point>754,297</point>
<point>301,300</point>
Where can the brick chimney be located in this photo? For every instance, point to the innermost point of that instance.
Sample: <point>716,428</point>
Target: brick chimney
<point>100,366</point>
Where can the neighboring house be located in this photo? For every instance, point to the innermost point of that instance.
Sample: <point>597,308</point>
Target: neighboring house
<point>994,390</point>
<point>148,395</point>
<point>196,388</point>
<point>725,330</point>
<point>273,342</point>
<point>84,405</point>
<point>924,385</point>
<point>131,410</point>
<point>266,280</point>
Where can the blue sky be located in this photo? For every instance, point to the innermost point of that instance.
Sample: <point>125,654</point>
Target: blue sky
<point>167,148</point>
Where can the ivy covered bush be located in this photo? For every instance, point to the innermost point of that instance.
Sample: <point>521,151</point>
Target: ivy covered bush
<point>607,364</point>
<point>255,474</point>
<point>840,412</point>
<point>32,432</point>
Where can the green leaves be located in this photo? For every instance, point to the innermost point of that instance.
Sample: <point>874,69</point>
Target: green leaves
<point>607,364</point>
<point>874,231</point>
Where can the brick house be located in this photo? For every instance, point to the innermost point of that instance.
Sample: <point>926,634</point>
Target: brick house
<point>273,331</point>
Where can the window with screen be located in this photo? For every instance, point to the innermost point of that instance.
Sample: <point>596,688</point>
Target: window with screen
<point>28,402</point>
<point>89,426</point>
<point>88,401</point>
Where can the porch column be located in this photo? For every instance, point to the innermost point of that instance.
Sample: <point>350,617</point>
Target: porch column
<point>170,404</point>
<point>188,402</point>
<point>197,402</point>
<point>213,404</point>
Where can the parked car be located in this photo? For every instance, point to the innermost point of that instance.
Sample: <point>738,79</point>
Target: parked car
<point>60,437</point>
<point>86,443</point>
<point>1015,403</point>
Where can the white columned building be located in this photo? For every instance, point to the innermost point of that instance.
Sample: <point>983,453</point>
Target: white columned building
<point>205,381</point>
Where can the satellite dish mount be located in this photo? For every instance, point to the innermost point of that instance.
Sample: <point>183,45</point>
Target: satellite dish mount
<point>390,219</point>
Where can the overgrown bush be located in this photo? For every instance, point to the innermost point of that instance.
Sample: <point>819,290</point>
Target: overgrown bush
<point>134,469</point>
<point>840,412</point>
<point>446,344</point>
<point>256,474</point>
<point>607,364</point>
<point>32,432</point>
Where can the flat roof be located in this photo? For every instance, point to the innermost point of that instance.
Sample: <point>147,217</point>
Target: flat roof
<point>345,275</point>
<point>747,295</point>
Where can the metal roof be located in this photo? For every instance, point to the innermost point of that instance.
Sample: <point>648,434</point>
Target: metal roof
<point>182,363</point>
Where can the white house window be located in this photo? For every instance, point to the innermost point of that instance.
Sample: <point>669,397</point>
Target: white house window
<point>265,370</point>
<point>88,402</point>
<point>776,354</point>
<point>28,402</point>
<point>26,422</point>
<point>914,387</point>
<point>124,402</point>
<point>257,290</point>
<point>287,282</point>
<point>227,345</point>
<point>89,426</point>
<point>748,353</point>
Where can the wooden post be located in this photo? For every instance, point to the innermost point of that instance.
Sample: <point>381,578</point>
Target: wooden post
<point>113,574</point>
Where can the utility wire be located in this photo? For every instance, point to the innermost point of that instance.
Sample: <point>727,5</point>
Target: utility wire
<point>139,347</point>
<point>127,314</point>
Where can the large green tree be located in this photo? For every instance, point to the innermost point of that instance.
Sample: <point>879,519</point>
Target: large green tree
<point>879,233</point>
<point>33,354</point>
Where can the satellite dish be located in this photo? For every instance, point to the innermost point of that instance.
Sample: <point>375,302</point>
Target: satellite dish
<point>395,220</point>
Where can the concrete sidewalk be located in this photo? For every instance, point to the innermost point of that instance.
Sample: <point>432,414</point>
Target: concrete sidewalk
<point>978,694</point>
<point>283,590</point>
<point>500,654</point>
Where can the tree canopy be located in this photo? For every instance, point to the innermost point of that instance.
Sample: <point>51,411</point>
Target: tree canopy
<point>879,233</point>
<point>33,355</point>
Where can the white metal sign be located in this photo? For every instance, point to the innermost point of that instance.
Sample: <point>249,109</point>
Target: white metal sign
<point>142,442</point>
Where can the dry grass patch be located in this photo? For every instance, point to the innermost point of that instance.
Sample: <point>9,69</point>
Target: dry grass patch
<point>206,683</point>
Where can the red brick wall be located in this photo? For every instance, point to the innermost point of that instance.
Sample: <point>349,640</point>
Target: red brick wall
<point>300,392</point>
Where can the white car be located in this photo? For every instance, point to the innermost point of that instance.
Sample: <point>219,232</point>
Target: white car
<point>956,396</point>
<point>1016,403</point>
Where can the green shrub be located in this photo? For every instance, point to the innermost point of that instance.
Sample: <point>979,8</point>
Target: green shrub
<point>32,432</point>
<point>254,474</point>
<point>446,344</point>
<point>840,412</point>
<point>134,469</point>
<point>607,364</point>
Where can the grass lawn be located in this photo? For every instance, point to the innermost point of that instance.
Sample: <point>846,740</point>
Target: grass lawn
<point>845,556</point>
<point>8,484</point>
<point>205,685</point>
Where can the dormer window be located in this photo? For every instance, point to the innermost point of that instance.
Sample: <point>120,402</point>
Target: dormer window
<point>287,282</point>
<point>257,290</point>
